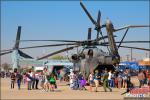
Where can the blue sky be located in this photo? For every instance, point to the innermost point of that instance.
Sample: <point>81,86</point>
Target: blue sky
<point>67,20</point>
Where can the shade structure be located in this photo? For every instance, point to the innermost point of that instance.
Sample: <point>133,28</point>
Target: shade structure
<point>145,62</point>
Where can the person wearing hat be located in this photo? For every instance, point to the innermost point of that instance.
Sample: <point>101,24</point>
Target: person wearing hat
<point>96,81</point>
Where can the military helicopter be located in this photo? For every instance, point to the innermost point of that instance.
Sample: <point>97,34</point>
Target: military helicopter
<point>90,57</point>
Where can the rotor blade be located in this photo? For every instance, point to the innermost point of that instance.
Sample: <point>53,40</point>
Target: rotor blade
<point>129,42</point>
<point>131,26</point>
<point>135,48</point>
<point>130,47</point>
<point>41,46</point>
<point>7,50</point>
<point>61,40</point>
<point>88,14</point>
<point>59,51</point>
<point>5,53</point>
<point>134,42</point>
<point>123,37</point>
<point>18,37</point>
<point>49,40</point>
<point>79,43</point>
<point>53,45</point>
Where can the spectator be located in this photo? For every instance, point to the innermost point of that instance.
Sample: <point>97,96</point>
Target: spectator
<point>24,78</point>
<point>52,81</point>
<point>119,81</point>
<point>33,80</point>
<point>46,84</point>
<point>72,76</point>
<point>125,75</point>
<point>109,78</point>
<point>147,76</point>
<point>76,81</point>
<point>149,80</point>
<point>130,85</point>
<point>91,81</point>
<point>19,78</point>
<point>113,80</point>
<point>96,81</point>
<point>13,78</point>
<point>29,80</point>
<point>36,80</point>
<point>105,81</point>
<point>42,81</point>
<point>80,78</point>
<point>141,78</point>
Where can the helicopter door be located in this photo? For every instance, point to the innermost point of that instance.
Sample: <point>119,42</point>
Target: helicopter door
<point>56,70</point>
<point>100,68</point>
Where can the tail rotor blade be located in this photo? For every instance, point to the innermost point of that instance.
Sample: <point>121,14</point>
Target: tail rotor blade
<point>18,37</point>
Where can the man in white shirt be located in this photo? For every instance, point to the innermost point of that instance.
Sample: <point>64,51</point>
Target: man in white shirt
<point>109,78</point>
<point>71,78</point>
<point>29,80</point>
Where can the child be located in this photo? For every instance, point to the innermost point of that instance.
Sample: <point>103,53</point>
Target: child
<point>83,83</point>
<point>91,79</point>
<point>13,78</point>
<point>52,81</point>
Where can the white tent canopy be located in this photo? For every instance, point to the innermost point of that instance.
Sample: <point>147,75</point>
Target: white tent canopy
<point>59,63</point>
<point>39,68</point>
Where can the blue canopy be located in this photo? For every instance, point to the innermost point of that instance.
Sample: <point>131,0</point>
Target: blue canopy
<point>129,65</point>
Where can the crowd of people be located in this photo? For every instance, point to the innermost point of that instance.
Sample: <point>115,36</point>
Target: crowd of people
<point>32,79</point>
<point>4,74</point>
<point>107,78</point>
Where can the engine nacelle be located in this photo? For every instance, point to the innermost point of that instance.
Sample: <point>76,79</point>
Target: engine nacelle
<point>75,57</point>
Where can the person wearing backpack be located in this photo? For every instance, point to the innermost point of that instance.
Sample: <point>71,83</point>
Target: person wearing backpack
<point>29,80</point>
<point>19,78</point>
